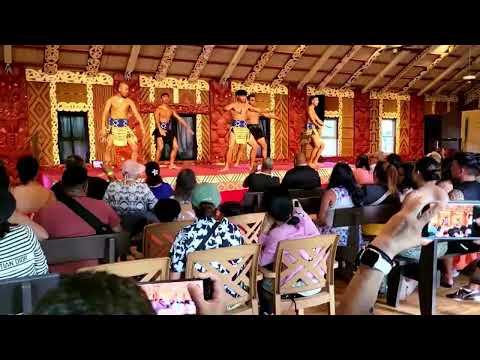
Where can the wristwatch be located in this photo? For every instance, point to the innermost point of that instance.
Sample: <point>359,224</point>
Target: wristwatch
<point>375,258</point>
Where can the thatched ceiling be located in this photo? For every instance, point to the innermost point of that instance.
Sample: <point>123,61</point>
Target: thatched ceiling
<point>403,64</point>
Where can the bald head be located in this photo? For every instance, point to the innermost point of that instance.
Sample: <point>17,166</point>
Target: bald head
<point>267,165</point>
<point>300,159</point>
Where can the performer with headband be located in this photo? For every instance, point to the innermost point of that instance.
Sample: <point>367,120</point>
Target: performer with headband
<point>117,132</point>
<point>163,132</point>
<point>313,132</point>
<point>256,131</point>
<point>239,133</point>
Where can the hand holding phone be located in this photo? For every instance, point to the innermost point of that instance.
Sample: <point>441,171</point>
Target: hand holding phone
<point>216,304</point>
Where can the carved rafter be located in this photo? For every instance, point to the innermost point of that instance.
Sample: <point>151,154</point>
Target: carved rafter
<point>409,66</point>
<point>261,62</point>
<point>399,57</point>
<point>348,56</point>
<point>431,66</point>
<point>233,63</point>
<point>201,62</point>
<point>7,57</point>
<point>297,54</point>
<point>317,66</point>
<point>364,67</point>
<point>444,73</point>
<point>166,62</point>
<point>52,54</point>
<point>464,85</point>
<point>458,76</point>
<point>95,55</point>
<point>132,60</point>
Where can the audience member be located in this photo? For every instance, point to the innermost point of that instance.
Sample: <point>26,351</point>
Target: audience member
<point>362,172</point>
<point>401,232</point>
<point>302,176</point>
<point>343,192</point>
<point>385,189</point>
<point>263,180</point>
<point>230,208</point>
<point>96,185</point>
<point>30,195</point>
<point>61,220</point>
<point>405,179</point>
<point>185,183</point>
<point>20,251</point>
<point>205,233</point>
<point>166,210</point>
<point>160,189</point>
<point>435,156</point>
<point>394,159</point>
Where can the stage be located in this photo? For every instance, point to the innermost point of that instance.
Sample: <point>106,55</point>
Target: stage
<point>229,183</point>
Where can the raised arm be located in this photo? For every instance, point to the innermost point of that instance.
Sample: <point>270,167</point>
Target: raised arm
<point>255,109</point>
<point>229,107</point>
<point>270,115</point>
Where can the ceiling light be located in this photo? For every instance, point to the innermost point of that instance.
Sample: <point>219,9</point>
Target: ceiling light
<point>469,77</point>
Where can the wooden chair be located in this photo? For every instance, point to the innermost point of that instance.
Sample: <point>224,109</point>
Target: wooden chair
<point>144,270</point>
<point>64,250</point>
<point>319,265</point>
<point>253,202</point>
<point>249,225</point>
<point>158,238</point>
<point>20,295</point>
<point>239,273</point>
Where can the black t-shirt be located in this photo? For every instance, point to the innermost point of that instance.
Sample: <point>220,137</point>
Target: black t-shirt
<point>301,177</point>
<point>373,192</point>
<point>96,188</point>
<point>260,182</point>
<point>470,190</point>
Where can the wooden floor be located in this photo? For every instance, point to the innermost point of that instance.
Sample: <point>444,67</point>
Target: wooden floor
<point>410,306</point>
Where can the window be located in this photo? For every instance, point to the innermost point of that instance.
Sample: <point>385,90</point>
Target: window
<point>330,137</point>
<point>73,135</point>
<point>187,144</point>
<point>387,134</point>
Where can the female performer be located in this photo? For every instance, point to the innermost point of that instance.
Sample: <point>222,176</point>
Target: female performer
<point>313,132</point>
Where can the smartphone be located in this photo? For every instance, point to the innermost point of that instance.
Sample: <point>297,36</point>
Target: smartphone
<point>172,297</point>
<point>97,164</point>
<point>460,219</point>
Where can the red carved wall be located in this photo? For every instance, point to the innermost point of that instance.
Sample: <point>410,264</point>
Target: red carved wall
<point>13,115</point>
<point>361,132</point>
<point>416,126</point>
<point>297,110</point>
<point>220,96</point>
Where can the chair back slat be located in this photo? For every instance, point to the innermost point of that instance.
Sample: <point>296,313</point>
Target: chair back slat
<point>158,238</point>
<point>63,250</point>
<point>236,266</point>
<point>157,269</point>
<point>305,264</point>
<point>249,225</point>
<point>22,294</point>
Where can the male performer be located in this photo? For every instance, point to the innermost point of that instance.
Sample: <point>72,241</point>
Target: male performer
<point>313,132</point>
<point>118,133</point>
<point>256,131</point>
<point>163,132</point>
<point>239,133</point>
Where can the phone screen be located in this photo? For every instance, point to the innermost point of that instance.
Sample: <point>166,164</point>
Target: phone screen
<point>97,164</point>
<point>457,220</point>
<point>172,297</point>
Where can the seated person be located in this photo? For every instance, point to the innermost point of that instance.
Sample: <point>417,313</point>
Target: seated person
<point>230,208</point>
<point>405,180</point>
<point>363,173</point>
<point>96,185</point>
<point>166,210</point>
<point>62,222</point>
<point>20,252</point>
<point>160,189</point>
<point>385,189</point>
<point>30,195</point>
<point>263,180</point>
<point>205,233</point>
<point>184,185</point>
<point>302,176</point>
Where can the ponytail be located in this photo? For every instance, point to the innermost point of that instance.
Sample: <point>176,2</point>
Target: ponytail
<point>392,178</point>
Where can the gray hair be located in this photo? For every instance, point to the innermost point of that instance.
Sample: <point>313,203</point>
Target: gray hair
<point>267,164</point>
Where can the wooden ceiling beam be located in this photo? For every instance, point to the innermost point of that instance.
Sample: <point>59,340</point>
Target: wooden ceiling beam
<point>317,66</point>
<point>444,73</point>
<point>381,74</point>
<point>364,67</point>
<point>336,70</point>
<point>52,54</point>
<point>233,63</point>
<point>431,66</point>
<point>297,54</point>
<point>94,59</point>
<point>409,66</point>
<point>132,60</point>
<point>458,76</point>
<point>201,62</point>
<point>260,64</point>
<point>165,62</point>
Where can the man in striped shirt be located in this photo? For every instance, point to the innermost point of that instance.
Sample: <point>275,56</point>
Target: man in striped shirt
<point>20,251</point>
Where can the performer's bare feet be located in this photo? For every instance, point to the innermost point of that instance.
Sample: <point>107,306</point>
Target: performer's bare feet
<point>172,166</point>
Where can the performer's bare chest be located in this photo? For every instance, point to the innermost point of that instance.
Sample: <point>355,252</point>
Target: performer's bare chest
<point>164,114</point>
<point>253,117</point>
<point>239,112</point>
<point>120,107</point>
